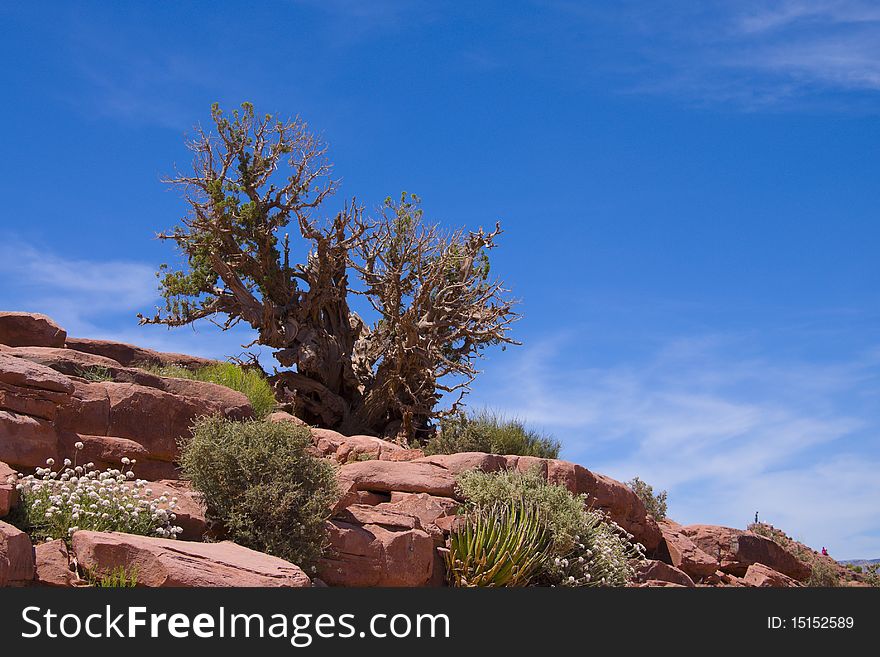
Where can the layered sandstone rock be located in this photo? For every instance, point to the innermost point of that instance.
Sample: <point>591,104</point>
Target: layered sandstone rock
<point>131,355</point>
<point>400,476</point>
<point>345,449</point>
<point>8,494</point>
<point>46,406</point>
<point>651,570</point>
<point>160,562</point>
<point>52,565</point>
<point>16,556</point>
<point>735,550</point>
<point>683,553</point>
<point>761,576</point>
<point>370,547</point>
<point>19,329</point>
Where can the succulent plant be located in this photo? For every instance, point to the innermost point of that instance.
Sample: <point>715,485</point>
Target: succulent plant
<point>502,545</point>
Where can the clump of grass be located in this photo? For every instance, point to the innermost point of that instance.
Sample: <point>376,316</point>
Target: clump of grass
<point>95,373</point>
<point>259,480</point>
<point>586,548</point>
<point>488,432</point>
<point>655,503</point>
<point>249,382</point>
<point>501,545</point>
<point>118,578</point>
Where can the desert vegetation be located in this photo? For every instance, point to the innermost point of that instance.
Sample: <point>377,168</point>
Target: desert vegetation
<point>246,380</point>
<point>504,545</point>
<point>489,432</point>
<point>55,503</point>
<point>825,572</point>
<point>261,484</point>
<point>435,307</point>
<point>655,503</point>
<point>585,549</point>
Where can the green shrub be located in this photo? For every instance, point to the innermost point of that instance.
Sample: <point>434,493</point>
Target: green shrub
<point>260,482</point>
<point>587,549</point>
<point>488,432</point>
<point>56,503</point>
<point>654,503</point>
<point>823,574</point>
<point>502,545</point>
<point>249,382</point>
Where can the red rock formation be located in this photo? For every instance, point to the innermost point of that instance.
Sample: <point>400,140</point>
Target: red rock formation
<point>30,329</point>
<point>161,562</point>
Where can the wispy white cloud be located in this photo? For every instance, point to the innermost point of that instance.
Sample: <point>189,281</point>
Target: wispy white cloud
<point>754,55</point>
<point>767,16</point>
<point>726,434</point>
<point>100,299</point>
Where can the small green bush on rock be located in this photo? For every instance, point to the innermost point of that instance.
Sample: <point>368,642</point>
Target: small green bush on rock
<point>654,503</point>
<point>488,432</point>
<point>587,549</point>
<point>260,482</point>
<point>502,545</point>
<point>250,383</point>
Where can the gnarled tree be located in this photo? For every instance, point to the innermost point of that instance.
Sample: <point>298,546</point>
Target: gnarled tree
<point>435,306</point>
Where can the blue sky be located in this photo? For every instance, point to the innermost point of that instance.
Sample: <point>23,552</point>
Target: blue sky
<point>690,194</point>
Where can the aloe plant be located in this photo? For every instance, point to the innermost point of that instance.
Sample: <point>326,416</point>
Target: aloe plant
<point>502,545</point>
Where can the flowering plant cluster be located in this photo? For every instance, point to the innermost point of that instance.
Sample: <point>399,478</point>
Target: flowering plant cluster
<point>56,503</point>
<point>588,549</point>
<point>601,554</point>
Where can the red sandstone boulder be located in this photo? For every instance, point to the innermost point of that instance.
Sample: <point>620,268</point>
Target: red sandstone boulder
<point>455,464</point>
<point>108,452</point>
<point>43,404</point>
<point>427,508</point>
<point>283,416</point>
<point>130,355</point>
<point>653,571</point>
<point>87,411</point>
<point>52,565</point>
<point>8,494</point>
<point>231,403</point>
<point>158,419</point>
<point>402,476</point>
<point>762,576</point>
<point>30,397</point>
<point>683,552</point>
<point>736,550</point>
<point>23,373</point>
<point>345,449</point>
<point>161,562</point>
<point>25,441</point>
<point>18,553</point>
<point>72,363</point>
<point>64,361</point>
<point>377,548</point>
<point>368,497</point>
<point>30,329</point>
